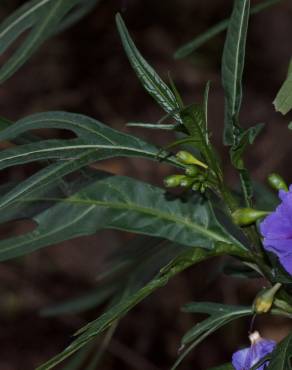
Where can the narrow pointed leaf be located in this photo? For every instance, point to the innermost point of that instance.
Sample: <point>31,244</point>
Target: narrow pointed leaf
<point>92,135</point>
<point>232,67</point>
<point>149,78</point>
<point>42,18</point>
<point>109,204</point>
<point>101,324</point>
<point>213,31</point>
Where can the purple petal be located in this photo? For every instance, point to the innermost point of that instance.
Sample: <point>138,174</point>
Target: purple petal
<point>277,230</point>
<point>246,358</point>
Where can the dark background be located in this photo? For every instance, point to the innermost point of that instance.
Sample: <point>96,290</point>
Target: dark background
<point>85,70</point>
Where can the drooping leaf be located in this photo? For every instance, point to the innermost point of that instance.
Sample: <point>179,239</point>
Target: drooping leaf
<point>283,100</point>
<point>98,326</point>
<point>220,315</point>
<point>91,135</point>
<point>95,142</point>
<point>213,31</point>
<point>109,204</point>
<point>42,18</point>
<point>232,68</point>
<point>148,77</point>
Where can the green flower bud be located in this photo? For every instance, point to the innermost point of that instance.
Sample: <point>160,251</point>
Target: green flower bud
<point>247,216</point>
<point>196,186</point>
<point>265,299</point>
<point>191,170</point>
<point>277,182</point>
<point>173,181</point>
<point>186,182</point>
<point>187,158</point>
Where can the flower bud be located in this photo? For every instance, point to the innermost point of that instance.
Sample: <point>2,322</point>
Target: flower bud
<point>191,170</point>
<point>173,180</point>
<point>265,299</point>
<point>187,158</point>
<point>186,182</point>
<point>196,186</point>
<point>277,182</point>
<point>247,216</point>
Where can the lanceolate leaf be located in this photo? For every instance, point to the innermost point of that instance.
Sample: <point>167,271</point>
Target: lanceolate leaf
<point>283,100</point>
<point>213,31</point>
<point>109,204</point>
<point>92,135</point>
<point>98,326</point>
<point>96,142</point>
<point>232,67</point>
<point>43,18</point>
<point>149,78</point>
<point>220,315</point>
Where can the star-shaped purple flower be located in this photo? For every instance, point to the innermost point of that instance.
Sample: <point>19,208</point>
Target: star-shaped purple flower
<point>246,358</point>
<point>277,230</point>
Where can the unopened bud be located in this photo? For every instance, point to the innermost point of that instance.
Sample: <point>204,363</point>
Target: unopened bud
<point>247,216</point>
<point>277,182</point>
<point>191,170</point>
<point>265,299</point>
<point>186,182</point>
<point>187,158</point>
<point>173,180</point>
<point>196,186</point>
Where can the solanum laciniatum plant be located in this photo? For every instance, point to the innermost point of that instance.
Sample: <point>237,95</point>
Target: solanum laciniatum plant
<point>193,216</point>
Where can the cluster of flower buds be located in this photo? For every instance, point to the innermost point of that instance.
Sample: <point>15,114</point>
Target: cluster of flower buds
<point>195,177</point>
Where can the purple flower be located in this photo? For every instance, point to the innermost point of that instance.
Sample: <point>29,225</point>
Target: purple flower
<point>246,358</point>
<point>277,230</point>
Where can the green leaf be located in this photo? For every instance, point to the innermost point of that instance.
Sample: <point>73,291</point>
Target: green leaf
<point>232,67</point>
<point>246,138</point>
<point>42,18</point>
<point>155,126</point>
<point>92,135</point>
<point>95,142</point>
<point>223,367</point>
<point>283,100</point>
<point>148,77</point>
<point>195,121</point>
<point>282,355</point>
<point>109,204</point>
<point>220,315</point>
<point>101,324</point>
<point>221,26</point>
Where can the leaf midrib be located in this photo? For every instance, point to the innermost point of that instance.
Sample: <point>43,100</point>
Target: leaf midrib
<point>140,209</point>
<point>23,16</point>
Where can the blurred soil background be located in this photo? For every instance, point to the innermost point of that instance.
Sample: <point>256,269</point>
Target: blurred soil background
<point>85,70</point>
